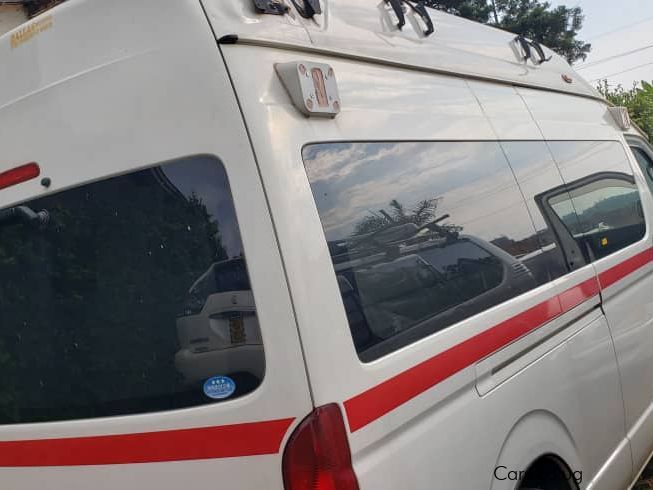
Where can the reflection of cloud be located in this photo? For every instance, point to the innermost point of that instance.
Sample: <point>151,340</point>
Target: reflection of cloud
<point>580,158</point>
<point>336,162</point>
<point>392,90</point>
<point>478,189</point>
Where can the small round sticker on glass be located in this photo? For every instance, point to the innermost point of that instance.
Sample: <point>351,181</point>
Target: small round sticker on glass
<point>219,387</point>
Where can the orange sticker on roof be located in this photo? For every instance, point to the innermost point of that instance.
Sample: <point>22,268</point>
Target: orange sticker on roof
<point>28,31</point>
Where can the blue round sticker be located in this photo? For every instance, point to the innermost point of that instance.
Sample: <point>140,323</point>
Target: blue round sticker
<point>219,387</point>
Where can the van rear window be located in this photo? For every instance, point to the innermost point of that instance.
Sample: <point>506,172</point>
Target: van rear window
<point>127,295</point>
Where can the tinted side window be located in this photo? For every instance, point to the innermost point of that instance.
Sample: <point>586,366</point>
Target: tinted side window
<point>601,205</point>
<point>422,235</point>
<point>536,172</point>
<point>642,158</point>
<point>646,164</point>
<point>131,297</point>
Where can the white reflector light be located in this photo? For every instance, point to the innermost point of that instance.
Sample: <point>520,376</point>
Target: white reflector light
<point>312,87</point>
<point>621,117</point>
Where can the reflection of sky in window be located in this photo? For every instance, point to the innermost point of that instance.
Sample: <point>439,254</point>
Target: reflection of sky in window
<point>477,189</point>
<point>580,158</point>
<point>206,177</point>
<point>584,200</point>
<point>589,200</point>
<point>563,208</point>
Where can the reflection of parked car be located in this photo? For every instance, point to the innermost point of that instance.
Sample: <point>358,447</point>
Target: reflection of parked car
<point>218,329</point>
<point>427,286</point>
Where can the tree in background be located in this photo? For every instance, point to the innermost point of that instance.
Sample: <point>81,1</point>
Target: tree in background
<point>420,214</point>
<point>555,27</point>
<point>476,10</point>
<point>638,100</point>
<point>88,304</point>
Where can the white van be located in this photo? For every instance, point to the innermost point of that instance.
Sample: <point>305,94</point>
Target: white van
<point>254,245</point>
<point>217,327</point>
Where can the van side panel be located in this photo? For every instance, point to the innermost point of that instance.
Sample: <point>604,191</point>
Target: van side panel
<point>454,431</point>
<point>111,88</point>
<point>626,297</point>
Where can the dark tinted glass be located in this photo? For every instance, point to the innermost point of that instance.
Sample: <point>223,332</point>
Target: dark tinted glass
<point>133,297</point>
<point>422,235</point>
<point>646,164</point>
<point>642,158</point>
<point>600,206</point>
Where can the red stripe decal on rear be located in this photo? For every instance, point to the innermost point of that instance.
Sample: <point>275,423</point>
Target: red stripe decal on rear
<point>226,441</point>
<point>377,401</point>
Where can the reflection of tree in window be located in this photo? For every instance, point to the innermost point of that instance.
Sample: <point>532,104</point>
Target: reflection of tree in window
<point>420,214</point>
<point>88,305</point>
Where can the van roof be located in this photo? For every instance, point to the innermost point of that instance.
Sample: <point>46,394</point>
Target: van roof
<point>356,29</point>
<point>366,30</point>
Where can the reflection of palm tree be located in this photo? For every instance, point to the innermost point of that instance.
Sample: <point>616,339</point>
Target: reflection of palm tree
<point>422,213</point>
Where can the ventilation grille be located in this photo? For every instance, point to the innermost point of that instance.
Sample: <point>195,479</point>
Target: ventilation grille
<point>520,269</point>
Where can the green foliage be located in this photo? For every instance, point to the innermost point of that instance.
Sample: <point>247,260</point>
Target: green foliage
<point>476,10</point>
<point>638,100</point>
<point>555,27</point>
<point>88,304</point>
<point>420,214</point>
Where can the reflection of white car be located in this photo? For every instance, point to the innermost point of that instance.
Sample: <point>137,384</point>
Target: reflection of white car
<point>218,330</point>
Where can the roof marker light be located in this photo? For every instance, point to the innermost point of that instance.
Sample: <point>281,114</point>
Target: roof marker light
<point>19,175</point>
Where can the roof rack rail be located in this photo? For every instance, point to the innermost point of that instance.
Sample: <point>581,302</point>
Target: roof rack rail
<point>416,6</point>
<point>309,9</point>
<point>527,47</point>
<point>272,7</point>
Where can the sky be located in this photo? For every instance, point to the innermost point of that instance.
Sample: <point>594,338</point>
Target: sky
<point>615,28</point>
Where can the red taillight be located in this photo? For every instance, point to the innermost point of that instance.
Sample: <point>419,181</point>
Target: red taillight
<point>317,456</point>
<point>19,174</point>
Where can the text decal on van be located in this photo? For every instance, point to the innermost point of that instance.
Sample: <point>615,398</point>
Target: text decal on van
<point>33,29</point>
<point>219,387</point>
<point>372,404</point>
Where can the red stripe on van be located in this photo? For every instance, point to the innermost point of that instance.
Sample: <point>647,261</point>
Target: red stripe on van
<point>578,294</point>
<point>618,272</point>
<point>225,441</point>
<point>383,398</point>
